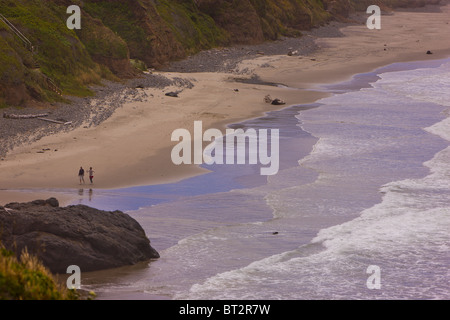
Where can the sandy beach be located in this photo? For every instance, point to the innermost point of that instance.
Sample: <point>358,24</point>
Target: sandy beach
<point>133,146</point>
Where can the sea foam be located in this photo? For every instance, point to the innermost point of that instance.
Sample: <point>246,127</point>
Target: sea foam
<point>382,161</point>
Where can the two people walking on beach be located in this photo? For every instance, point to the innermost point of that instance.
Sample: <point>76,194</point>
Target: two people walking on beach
<point>81,175</point>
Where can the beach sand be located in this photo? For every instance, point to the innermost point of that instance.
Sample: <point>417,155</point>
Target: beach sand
<point>133,146</point>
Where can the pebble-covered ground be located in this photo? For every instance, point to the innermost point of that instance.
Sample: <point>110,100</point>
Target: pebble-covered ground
<point>90,111</point>
<point>228,59</point>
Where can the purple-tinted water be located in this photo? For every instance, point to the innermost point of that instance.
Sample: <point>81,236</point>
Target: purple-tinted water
<point>373,191</point>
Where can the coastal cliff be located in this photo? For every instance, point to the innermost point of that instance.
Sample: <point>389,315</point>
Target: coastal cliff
<point>118,39</point>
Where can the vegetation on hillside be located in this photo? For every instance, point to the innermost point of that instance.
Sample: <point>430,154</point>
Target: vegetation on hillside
<point>27,279</point>
<point>119,38</point>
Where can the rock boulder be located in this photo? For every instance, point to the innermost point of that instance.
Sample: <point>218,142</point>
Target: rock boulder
<point>75,235</point>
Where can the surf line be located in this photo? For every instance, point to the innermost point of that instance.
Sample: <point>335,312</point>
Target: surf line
<point>229,149</point>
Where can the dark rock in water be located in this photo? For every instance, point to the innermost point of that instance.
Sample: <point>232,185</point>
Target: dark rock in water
<point>75,235</point>
<point>278,102</point>
<point>172,94</point>
<point>429,52</point>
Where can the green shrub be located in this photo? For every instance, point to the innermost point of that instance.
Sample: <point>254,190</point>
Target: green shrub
<point>27,279</point>
<point>138,64</point>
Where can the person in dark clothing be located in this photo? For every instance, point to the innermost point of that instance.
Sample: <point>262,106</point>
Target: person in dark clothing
<point>81,175</point>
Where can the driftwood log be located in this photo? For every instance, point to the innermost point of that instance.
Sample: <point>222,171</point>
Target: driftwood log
<point>41,116</point>
<point>56,121</point>
<point>24,116</point>
<point>277,102</point>
<point>268,99</point>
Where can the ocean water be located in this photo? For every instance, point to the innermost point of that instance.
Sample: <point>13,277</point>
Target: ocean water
<point>364,181</point>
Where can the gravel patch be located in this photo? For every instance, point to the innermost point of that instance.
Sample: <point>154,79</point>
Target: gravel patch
<point>86,112</point>
<point>227,59</point>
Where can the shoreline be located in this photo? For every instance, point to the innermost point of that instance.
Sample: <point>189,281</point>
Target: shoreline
<point>131,152</point>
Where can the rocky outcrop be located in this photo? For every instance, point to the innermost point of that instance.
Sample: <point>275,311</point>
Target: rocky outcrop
<point>75,235</point>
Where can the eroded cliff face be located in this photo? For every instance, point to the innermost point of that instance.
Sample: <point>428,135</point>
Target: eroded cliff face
<point>152,31</point>
<point>148,36</point>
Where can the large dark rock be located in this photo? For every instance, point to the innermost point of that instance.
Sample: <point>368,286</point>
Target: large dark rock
<point>75,235</point>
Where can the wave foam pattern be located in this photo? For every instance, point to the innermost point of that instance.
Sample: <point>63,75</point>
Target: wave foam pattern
<point>383,162</point>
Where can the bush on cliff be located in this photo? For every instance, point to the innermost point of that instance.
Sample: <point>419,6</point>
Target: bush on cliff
<point>27,279</point>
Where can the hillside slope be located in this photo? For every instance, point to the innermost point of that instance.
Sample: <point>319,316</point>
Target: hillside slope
<point>116,36</point>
